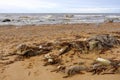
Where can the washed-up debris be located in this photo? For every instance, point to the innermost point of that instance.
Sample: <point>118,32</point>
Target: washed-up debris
<point>102,42</point>
<point>64,50</point>
<point>51,59</point>
<point>103,61</point>
<point>80,46</point>
<point>54,52</point>
<point>71,70</point>
<point>75,69</point>
<point>28,51</point>
<point>105,66</point>
<point>23,51</point>
<point>99,42</point>
<point>98,68</point>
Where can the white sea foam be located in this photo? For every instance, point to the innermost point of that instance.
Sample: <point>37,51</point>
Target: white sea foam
<point>38,19</point>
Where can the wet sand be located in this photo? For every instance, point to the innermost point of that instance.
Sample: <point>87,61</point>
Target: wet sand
<point>33,69</point>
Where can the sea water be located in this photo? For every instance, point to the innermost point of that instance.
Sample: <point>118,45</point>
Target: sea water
<point>56,18</point>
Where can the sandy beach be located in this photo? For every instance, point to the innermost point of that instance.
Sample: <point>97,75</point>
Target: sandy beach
<point>33,69</point>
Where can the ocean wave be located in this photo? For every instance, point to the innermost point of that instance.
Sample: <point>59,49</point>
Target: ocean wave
<point>38,19</point>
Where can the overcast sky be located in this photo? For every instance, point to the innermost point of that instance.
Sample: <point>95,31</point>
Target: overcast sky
<point>60,6</point>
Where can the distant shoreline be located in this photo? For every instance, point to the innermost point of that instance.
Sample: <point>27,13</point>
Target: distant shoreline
<point>20,19</point>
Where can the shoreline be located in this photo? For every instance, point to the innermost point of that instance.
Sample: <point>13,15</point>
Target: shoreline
<point>39,19</point>
<point>40,25</point>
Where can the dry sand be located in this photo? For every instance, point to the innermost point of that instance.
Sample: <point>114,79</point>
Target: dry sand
<point>33,69</point>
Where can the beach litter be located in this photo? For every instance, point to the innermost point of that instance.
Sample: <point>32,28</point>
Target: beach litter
<point>94,43</point>
<point>105,66</point>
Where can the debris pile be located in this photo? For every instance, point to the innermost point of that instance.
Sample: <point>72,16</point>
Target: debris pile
<point>100,67</point>
<point>105,66</point>
<point>29,51</point>
<point>99,42</point>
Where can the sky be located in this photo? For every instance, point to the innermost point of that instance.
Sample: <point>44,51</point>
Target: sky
<point>60,6</point>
